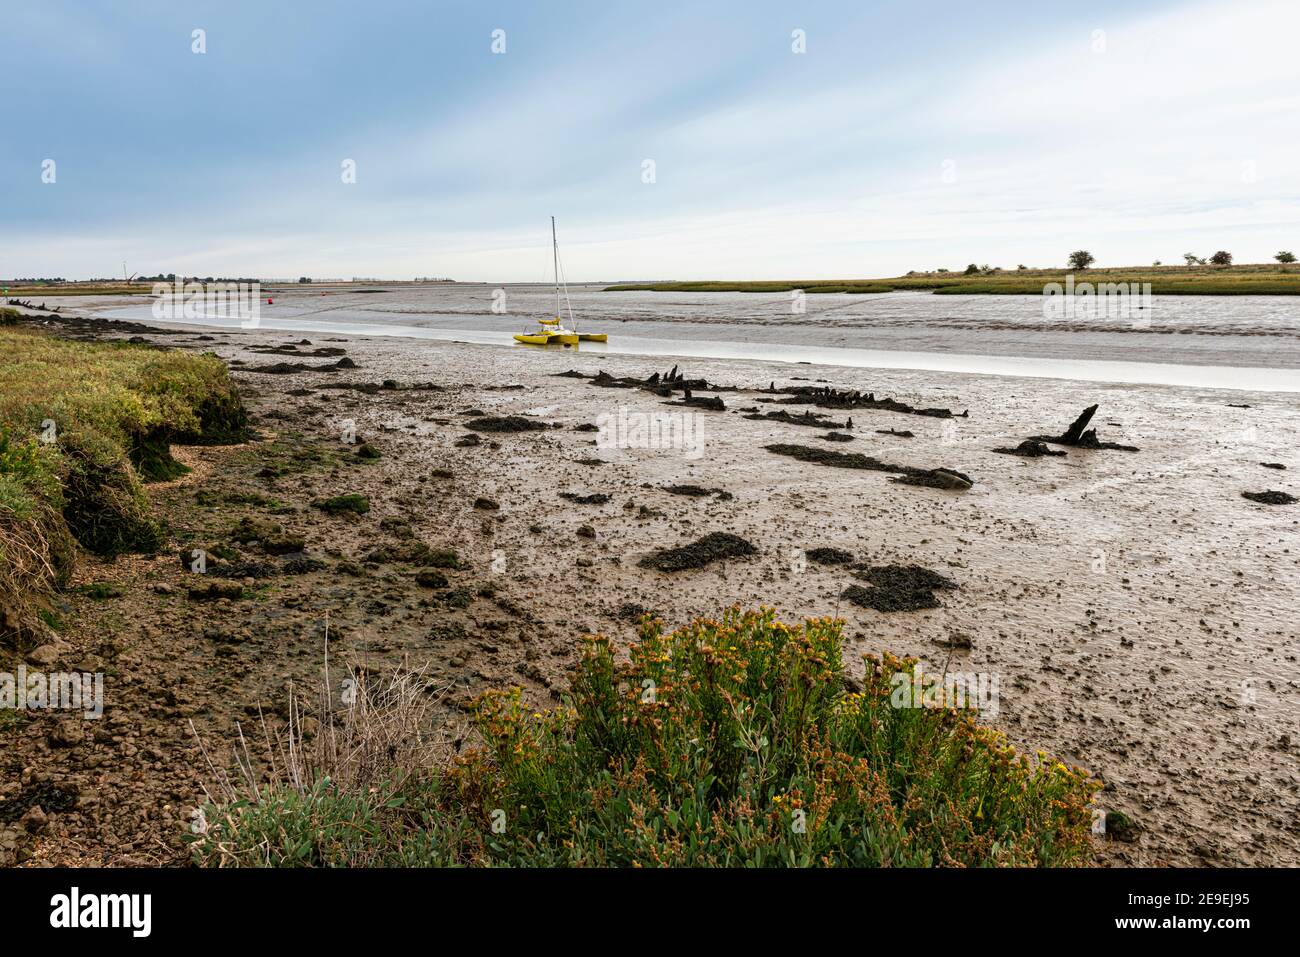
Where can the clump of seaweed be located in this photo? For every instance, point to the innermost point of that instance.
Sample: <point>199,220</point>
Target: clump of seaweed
<point>898,588</point>
<point>713,547</point>
<point>1271,497</point>
<point>506,423</point>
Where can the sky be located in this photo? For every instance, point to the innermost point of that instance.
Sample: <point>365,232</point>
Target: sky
<point>669,140</point>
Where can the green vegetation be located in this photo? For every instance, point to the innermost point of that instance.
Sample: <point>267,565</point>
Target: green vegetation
<point>351,502</point>
<point>102,591</point>
<point>22,290</point>
<point>82,427</point>
<point>1199,279</point>
<point>726,743</point>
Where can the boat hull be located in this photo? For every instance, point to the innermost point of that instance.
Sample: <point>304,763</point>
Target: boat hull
<point>593,337</point>
<point>547,339</point>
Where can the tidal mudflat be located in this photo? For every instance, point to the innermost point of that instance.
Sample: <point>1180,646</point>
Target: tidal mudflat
<point>1135,609</point>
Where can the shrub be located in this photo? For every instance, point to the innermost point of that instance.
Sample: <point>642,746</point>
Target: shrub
<point>726,743</point>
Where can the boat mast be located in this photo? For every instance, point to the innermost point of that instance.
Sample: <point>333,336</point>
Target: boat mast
<point>555,257</point>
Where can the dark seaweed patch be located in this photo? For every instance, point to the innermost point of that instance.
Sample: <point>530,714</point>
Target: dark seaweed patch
<point>910,475</point>
<point>898,588</point>
<point>829,556</point>
<point>828,398</point>
<point>713,547</point>
<point>1271,497</point>
<point>595,498</point>
<point>814,419</point>
<point>506,423</point>
<point>1030,449</point>
<point>698,491</point>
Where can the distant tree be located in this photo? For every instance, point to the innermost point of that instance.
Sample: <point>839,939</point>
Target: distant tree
<point>1285,257</point>
<point>1222,258</point>
<point>1022,267</point>
<point>941,269</point>
<point>1193,260</point>
<point>1156,263</point>
<point>972,269</point>
<point>304,278</point>
<point>1081,259</point>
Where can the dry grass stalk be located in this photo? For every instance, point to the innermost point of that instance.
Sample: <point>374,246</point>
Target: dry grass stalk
<point>379,732</point>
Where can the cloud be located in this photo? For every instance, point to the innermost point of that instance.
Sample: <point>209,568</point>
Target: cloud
<point>890,145</point>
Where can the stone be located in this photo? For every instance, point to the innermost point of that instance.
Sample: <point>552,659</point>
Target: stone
<point>45,655</point>
<point>35,820</point>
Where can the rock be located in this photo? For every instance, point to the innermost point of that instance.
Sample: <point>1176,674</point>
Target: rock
<point>1120,827</point>
<point>430,578</point>
<point>586,531</point>
<point>34,821</point>
<point>45,655</point>
<point>215,590</point>
<point>269,534</point>
<point>68,733</point>
<point>948,478</point>
<point>299,563</point>
<point>486,503</point>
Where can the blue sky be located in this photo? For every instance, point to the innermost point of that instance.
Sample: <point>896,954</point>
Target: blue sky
<point>908,136</point>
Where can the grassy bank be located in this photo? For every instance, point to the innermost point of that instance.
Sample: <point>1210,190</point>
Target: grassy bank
<point>82,427</point>
<point>1245,280</point>
<point>39,290</point>
<point>727,743</point>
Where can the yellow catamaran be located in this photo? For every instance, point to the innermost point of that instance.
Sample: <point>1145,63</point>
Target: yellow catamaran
<point>552,331</point>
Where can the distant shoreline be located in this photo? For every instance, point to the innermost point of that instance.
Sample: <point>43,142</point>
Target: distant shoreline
<point>1246,280</point>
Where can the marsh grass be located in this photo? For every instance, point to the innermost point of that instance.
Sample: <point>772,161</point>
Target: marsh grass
<point>82,427</point>
<point>339,783</point>
<point>1244,280</point>
<point>731,742</point>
